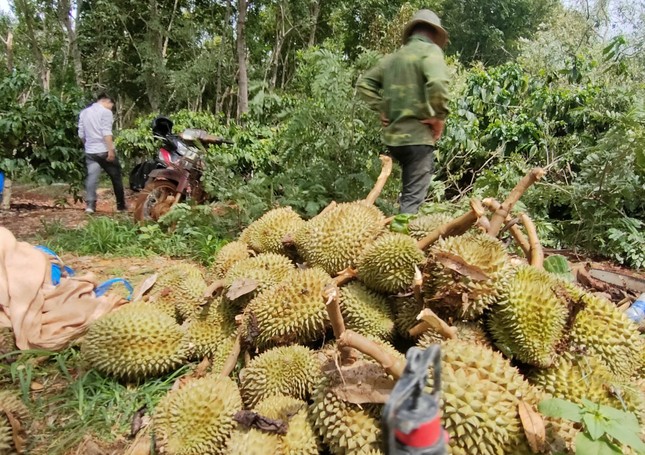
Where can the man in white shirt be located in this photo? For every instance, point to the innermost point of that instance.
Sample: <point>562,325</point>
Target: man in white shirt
<point>95,130</point>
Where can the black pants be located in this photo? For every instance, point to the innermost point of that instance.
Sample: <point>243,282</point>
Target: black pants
<point>417,164</point>
<point>95,162</point>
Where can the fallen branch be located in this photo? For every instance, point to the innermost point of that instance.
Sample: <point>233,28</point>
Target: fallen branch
<point>231,360</point>
<point>386,170</point>
<point>417,285</point>
<point>455,227</point>
<point>499,217</point>
<point>390,363</point>
<point>345,276</point>
<point>515,230</point>
<point>347,355</point>
<point>537,254</point>
<point>429,320</point>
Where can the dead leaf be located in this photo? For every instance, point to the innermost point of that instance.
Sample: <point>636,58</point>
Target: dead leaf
<point>240,287</point>
<point>533,425</point>
<point>36,386</point>
<point>251,419</point>
<point>144,287</point>
<point>459,265</point>
<point>142,444</point>
<point>137,421</point>
<point>364,382</point>
<point>17,433</point>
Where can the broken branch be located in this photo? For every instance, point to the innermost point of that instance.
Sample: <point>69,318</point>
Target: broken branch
<point>455,227</point>
<point>216,286</point>
<point>345,276</point>
<point>386,170</point>
<point>537,254</point>
<point>515,230</point>
<point>500,214</point>
<point>231,360</point>
<point>332,205</point>
<point>429,320</point>
<point>390,363</point>
<point>417,285</point>
<point>347,355</point>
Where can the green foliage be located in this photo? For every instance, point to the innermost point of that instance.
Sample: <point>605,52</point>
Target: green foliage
<point>604,429</point>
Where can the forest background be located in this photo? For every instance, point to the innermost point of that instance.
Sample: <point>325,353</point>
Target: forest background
<point>534,83</point>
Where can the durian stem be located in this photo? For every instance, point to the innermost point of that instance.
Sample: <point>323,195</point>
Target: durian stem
<point>345,276</point>
<point>332,205</point>
<point>231,360</point>
<point>417,285</point>
<point>347,355</point>
<point>499,217</point>
<point>515,230</point>
<point>455,227</point>
<point>391,364</point>
<point>537,254</point>
<point>386,170</point>
<point>483,223</point>
<point>217,285</point>
<point>430,320</point>
<point>388,221</point>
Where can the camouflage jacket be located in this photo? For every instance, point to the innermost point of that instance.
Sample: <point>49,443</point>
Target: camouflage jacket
<point>408,86</point>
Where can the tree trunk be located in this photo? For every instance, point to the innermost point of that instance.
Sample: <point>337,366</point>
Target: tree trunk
<point>64,16</point>
<point>154,62</point>
<point>26,16</point>
<point>315,14</point>
<point>242,78</point>
<point>8,44</point>
<point>219,96</point>
<point>6,194</point>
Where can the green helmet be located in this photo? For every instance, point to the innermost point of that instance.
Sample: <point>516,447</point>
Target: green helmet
<point>427,17</point>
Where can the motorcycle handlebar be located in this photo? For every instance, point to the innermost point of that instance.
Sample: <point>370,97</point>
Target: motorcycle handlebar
<point>203,136</point>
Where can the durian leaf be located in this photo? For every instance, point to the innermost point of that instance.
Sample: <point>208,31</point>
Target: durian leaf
<point>625,435</point>
<point>595,425</point>
<point>557,407</point>
<point>587,446</point>
<point>400,223</point>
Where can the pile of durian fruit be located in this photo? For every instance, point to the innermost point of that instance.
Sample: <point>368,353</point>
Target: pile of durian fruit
<point>303,322</point>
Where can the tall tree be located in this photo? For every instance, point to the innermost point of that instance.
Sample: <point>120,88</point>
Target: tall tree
<point>242,76</point>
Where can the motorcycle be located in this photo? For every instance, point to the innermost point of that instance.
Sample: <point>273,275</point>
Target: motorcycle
<point>175,174</point>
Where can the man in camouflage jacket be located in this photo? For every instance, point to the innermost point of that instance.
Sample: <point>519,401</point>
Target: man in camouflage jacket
<point>409,88</point>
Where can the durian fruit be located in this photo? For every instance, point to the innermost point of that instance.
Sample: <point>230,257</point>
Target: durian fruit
<point>602,331</point>
<point>300,438</point>
<point>7,341</point>
<point>135,342</point>
<point>481,392</point>
<point>292,311</point>
<point>529,319</point>
<point>229,255</point>
<point>253,442</point>
<point>210,328</point>
<point>198,418</point>
<point>265,234</point>
<point>457,295</point>
<point>365,311</point>
<point>182,286</point>
<point>388,264</point>
<point>334,240</point>
<point>422,226</point>
<point>346,428</point>
<point>10,404</point>
<point>469,332</point>
<point>286,370</point>
<point>267,269</point>
<point>406,311</point>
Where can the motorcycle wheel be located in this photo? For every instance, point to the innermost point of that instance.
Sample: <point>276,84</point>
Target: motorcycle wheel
<point>155,200</point>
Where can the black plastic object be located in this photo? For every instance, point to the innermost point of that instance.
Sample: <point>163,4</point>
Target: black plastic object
<point>411,417</point>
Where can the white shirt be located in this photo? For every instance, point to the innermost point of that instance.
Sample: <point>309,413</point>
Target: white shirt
<point>94,123</point>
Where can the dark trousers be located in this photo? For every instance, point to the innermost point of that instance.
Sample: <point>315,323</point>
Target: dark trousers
<point>417,164</point>
<point>95,162</point>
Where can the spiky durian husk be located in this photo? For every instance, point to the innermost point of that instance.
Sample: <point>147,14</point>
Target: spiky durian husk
<point>292,311</point>
<point>182,286</point>
<point>334,240</point>
<point>265,234</point>
<point>388,264</point>
<point>300,438</point>
<point>424,225</point>
<point>406,311</point>
<point>10,403</point>
<point>468,332</point>
<point>135,342</point>
<point>198,418</point>
<point>287,370</point>
<point>210,328</point>
<point>254,442</point>
<point>365,311</point>
<point>528,321</point>
<point>268,269</point>
<point>453,294</point>
<point>7,340</point>
<point>574,378</point>
<point>481,393</point>
<point>601,330</point>
<point>346,428</point>
<point>229,255</point>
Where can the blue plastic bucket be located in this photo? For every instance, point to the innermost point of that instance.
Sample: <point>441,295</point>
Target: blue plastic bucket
<point>1,184</point>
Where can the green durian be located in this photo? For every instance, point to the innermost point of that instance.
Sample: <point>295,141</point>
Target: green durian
<point>406,311</point>
<point>253,442</point>
<point>365,311</point>
<point>388,264</point>
<point>210,328</point>
<point>292,311</point>
<point>10,403</point>
<point>287,370</point>
<point>334,240</point>
<point>265,235</point>
<point>182,286</point>
<point>197,419</point>
<point>229,255</point>
<point>461,295</point>
<point>468,332</point>
<point>480,398</point>
<point>135,342</point>
<point>422,226</point>
<point>529,319</point>
<point>267,269</point>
